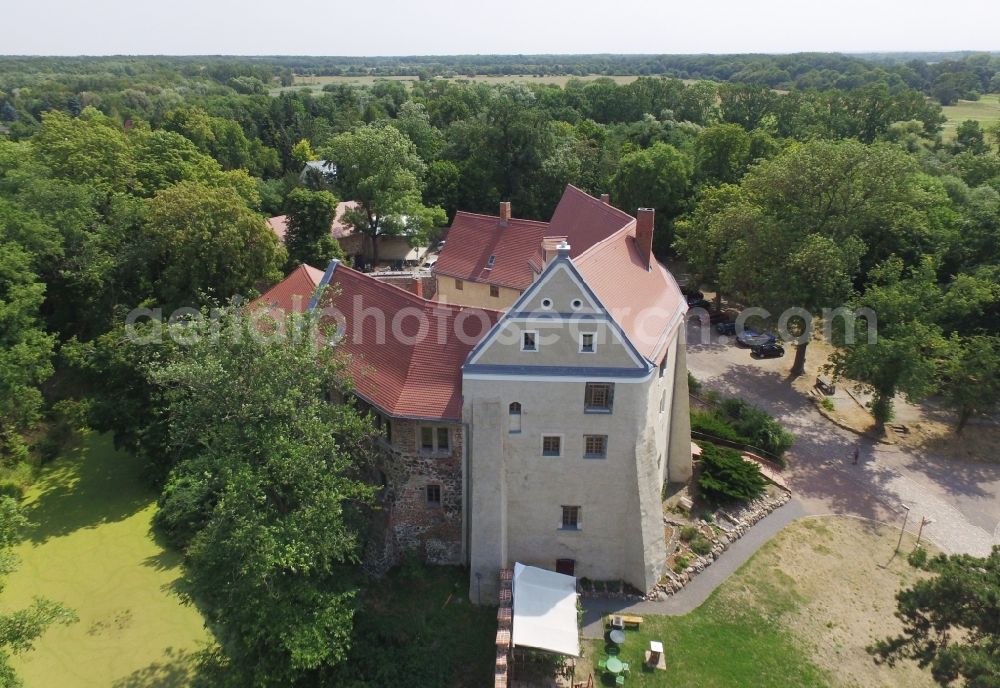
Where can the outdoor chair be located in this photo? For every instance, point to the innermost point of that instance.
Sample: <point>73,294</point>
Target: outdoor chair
<point>625,669</point>
<point>602,665</point>
<point>620,680</point>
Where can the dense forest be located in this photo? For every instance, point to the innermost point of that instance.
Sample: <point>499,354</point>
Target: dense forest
<point>810,181</point>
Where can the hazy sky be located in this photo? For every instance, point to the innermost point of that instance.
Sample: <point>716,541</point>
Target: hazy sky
<point>417,27</point>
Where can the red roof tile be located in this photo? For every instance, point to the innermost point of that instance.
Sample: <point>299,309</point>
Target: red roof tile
<point>647,304</point>
<point>517,247</point>
<point>338,230</point>
<point>404,374</point>
<point>585,220</point>
<point>413,370</point>
<point>473,238</point>
<point>293,293</point>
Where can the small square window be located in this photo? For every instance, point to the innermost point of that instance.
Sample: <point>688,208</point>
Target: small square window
<point>427,439</point>
<point>494,291</point>
<point>551,445</point>
<point>571,518</point>
<point>433,495</point>
<point>458,285</point>
<point>598,396</point>
<point>490,262</point>
<point>587,343</point>
<point>442,439</point>
<point>529,341</point>
<point>595,446</point>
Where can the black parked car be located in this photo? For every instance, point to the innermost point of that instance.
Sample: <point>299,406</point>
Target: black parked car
<point>773,350</point>
<point>752,338</point>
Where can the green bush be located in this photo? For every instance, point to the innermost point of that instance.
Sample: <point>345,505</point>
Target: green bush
<point>680,563</point>
<point>826,403</point>
<point>694,387</point>
<point>918,558</point>
<point>715,426</point>
<point>701,545</point>
<point>726,477</point>
<point>688,533</point>
<point>760,429</point>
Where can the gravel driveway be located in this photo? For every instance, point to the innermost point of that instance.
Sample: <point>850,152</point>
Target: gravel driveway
<point>962,500</point>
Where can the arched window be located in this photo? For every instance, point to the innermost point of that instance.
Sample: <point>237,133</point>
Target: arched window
<point>514,410</point>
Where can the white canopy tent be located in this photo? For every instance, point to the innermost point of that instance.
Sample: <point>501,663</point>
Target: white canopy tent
<point>545,610</point>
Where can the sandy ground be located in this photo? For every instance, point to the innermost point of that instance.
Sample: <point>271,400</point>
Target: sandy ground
<point>926,426</point>
<point>837,568</point>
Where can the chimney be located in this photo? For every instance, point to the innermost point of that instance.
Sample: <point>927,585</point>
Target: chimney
<point>551,247</point>
<point>606,199</point>
<point>418,287</point>
<point>504,213</point>
<point>644,234</point>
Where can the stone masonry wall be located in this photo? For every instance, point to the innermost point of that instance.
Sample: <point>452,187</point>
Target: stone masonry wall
<point>432,532</point>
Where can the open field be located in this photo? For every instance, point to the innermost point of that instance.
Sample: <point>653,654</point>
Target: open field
<point>986,110</point>
<point>90,547</point>
<point>799,613</point>
<point>316,83</point>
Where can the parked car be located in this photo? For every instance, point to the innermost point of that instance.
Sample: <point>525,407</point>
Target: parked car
<point>728,327</point>
<point>429,263</point>
<point>773,350</point>
<point>750,338</point>
<point>699,303</point>
<point>693,297</point>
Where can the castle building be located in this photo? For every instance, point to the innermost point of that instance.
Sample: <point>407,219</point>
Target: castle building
<point>536,413</point>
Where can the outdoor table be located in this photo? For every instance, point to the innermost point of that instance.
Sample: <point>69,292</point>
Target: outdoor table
<point>614,665</point>
<point>617,637</point>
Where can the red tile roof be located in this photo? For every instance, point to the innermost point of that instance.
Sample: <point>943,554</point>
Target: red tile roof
<point>393,366</point>
<point>293,293</point>
<point>416,372</point>
<point>473,238</point>
<point>517,246</point>
<point>585,220</point>
<point>338,230</point>
<point>647,304</point>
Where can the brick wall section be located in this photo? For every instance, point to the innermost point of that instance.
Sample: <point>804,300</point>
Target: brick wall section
<point>433,532</point>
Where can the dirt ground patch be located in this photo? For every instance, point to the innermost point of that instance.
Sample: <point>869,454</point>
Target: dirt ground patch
<point>928,426</point>
<point>842,572</point>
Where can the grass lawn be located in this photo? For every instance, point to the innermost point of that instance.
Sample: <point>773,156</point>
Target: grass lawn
<point>799,613</point>
<point>986,110</point>
<point>91,548</point>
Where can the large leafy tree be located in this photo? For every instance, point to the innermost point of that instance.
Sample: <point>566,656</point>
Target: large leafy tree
<point>25,348</point>
<point>308,238</point>
<point>378,166</point>
<point>721,153</point>
<point>901,353</point>
<point>970,382</point>
<point>20,629</point>
<point>657,177</point>
<point>265,495</point>
<point>951,622</point>
<point>204,239</point>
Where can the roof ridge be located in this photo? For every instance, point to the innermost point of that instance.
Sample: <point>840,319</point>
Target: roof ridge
<point>598,202</point>
<point>497,217</point>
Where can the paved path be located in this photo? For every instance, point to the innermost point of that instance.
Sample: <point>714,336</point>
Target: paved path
<point>960,500</point>
<point>701,586</point>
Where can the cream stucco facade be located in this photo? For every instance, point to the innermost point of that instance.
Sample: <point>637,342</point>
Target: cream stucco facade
<point>474,293</point>
<point>517,486</point>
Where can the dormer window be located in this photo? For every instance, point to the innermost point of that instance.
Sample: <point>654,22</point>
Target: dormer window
<point>529,341</point>
<point>490,261</point>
